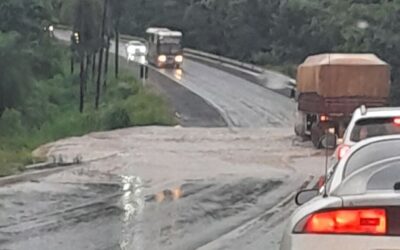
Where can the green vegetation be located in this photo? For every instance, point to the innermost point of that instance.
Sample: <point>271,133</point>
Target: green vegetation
<point>50,113</point>
<point>42,101</point>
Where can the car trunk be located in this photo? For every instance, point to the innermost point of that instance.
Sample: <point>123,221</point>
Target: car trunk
<point>373,198</point>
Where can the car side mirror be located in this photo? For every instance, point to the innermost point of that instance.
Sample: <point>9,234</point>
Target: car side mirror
<point>304,196</point>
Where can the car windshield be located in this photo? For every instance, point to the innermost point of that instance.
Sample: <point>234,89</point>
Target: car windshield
<point>136,44</point>
<point>169,49</point>
<point>372,127</point>
<point>371,153</point>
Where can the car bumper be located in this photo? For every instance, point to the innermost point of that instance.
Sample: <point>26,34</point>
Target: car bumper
<point>340,242</point>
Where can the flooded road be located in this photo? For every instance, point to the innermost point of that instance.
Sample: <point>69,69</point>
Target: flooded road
<point>161,188</point>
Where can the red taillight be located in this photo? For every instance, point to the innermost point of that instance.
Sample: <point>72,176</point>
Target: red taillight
<point>346,221</point>
<point>396,121</point>
<point>323,118</point>
<point>321,182</point>
<point>342,150</point>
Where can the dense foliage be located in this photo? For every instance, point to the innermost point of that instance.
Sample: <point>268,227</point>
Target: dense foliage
<point>25,50</point>
<point>272,32</point>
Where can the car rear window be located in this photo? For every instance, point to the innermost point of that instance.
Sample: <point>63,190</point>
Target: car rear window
<point>380,176</point>
<point>385,178</point>
<point>372,127</point>
<point>371,153</point>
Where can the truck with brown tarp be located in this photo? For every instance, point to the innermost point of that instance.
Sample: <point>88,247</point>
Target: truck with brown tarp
<point>331,86</point>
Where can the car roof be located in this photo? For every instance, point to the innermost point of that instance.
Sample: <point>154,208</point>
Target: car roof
<point>341,167</point>
<point>373,140</point>
<point>156,29</point>
<point>135,42</point>
<point>164,32</point>
<point>377,112</point>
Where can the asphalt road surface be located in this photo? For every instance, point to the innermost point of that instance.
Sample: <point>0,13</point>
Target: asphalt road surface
<point>240,102</point>
<point>161,188</point>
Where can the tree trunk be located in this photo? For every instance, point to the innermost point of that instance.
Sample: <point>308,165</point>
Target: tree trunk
<point>106,62</point>
<point>82,83</point>
<point>2,102</point>
<point>72,65</point>
<point>116,52</point>
<point>99,78</point>
<point>88,62</point>
<point>93,65</point>
<point>100,66</point>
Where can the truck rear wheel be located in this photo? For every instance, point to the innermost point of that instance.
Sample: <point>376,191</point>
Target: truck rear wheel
<point>300,124</point>
<point>316,134</point>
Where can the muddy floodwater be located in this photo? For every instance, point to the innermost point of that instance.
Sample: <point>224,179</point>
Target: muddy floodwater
<point>161,188</point>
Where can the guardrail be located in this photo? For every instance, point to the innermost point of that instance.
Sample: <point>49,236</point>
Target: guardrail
<point>226,60</point>
<point>272,80</point>
<point>239,64</point>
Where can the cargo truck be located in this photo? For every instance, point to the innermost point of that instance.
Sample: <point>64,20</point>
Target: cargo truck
<point>331,86</point>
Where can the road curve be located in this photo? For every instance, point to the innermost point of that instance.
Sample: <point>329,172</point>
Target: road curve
<point>240,102</point>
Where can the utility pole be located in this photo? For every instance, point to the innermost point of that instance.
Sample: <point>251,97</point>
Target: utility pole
<point>82,84</point>
<point>106,62</point>
<point>117,48</point>
<point>100,66</point>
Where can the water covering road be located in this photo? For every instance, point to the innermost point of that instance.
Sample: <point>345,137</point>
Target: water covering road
<point>160,188</point>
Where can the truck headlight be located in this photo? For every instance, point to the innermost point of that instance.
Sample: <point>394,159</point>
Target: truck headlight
<point>162,58</point>
<point>143,50</point>
<point>131,49</point>
<point>178,58</point>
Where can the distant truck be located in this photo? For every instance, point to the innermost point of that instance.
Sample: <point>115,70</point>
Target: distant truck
<point>165,47</point>
<point>331,86</point>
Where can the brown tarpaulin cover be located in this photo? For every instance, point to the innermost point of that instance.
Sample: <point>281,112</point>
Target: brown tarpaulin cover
<point>344,75</point>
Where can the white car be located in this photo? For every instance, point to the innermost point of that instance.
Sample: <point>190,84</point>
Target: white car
<point>136,51</point>
<point>367,123</point>
<point>360,209</point>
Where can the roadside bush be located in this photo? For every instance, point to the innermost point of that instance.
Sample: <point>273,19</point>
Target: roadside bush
<point>13,162</point>
<point>148,109</point>
<point>10,122</point>
<point>123,88</point>
<point>116,117</point>
<point>261,58</point>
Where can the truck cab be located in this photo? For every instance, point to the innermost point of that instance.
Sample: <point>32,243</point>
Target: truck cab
<point>165,47</point>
